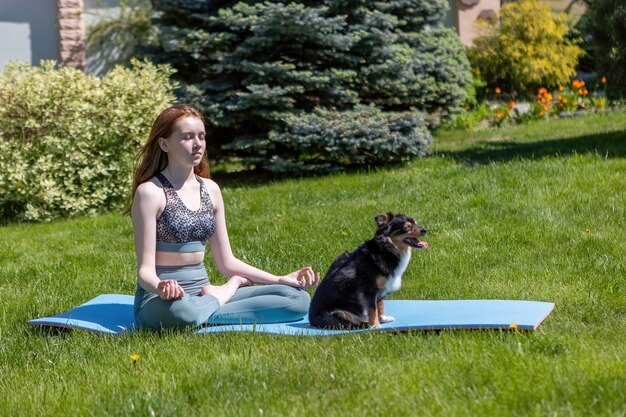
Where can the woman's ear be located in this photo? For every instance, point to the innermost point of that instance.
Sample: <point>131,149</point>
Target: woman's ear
<point>163,144</point>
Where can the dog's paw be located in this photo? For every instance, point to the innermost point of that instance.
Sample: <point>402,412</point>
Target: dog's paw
<point>385,319</point>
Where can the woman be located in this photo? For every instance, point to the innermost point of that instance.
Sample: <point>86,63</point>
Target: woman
<point>175,210</point>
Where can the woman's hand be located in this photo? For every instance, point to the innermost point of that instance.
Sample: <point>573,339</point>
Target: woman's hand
<point>301,278</point>
<point>170,290</point>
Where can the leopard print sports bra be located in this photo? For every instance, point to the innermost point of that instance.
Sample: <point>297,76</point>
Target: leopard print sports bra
<point>179,229</point>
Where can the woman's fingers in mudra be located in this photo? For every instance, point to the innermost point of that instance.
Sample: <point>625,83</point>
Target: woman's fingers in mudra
<point>170,290</point>
<point>306,277</point>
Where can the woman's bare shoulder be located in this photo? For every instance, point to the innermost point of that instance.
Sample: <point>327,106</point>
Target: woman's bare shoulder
<point>150,189</point>
<point>211,185</point>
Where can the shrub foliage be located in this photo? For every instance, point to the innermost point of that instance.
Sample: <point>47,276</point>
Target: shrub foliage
<point>527,49</point>
<point>604,23</point>
<point>256,67</point>
<point>68,139</point>
<point>324,140</point>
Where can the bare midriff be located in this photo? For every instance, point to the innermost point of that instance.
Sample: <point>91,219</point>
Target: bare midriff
<point>176,259</point>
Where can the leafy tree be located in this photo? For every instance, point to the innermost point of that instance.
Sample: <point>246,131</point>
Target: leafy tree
<point>113,40</point>
<point>254,66</point>
<point>528,48</point>
<point>605,24</point>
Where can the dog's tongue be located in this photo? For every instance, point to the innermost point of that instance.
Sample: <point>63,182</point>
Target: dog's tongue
<point>421,244</point>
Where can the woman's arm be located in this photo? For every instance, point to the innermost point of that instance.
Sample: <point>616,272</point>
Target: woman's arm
<point>230,266</point>
<point>147,205</point>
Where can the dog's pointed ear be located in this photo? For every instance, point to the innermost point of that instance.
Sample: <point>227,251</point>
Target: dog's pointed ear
<point>383,219</point>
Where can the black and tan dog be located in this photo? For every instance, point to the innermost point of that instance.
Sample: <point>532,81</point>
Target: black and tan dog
<point>352,292</point>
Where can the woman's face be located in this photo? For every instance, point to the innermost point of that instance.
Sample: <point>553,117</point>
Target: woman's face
<point>186,144</point>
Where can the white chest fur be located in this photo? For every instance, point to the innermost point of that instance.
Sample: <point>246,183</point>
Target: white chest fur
<point>395,279</point>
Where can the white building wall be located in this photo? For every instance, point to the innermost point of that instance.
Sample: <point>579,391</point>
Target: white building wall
<point>28,31</point>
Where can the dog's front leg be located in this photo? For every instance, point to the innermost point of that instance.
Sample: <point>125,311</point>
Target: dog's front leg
<point>381,313</point>
<point>372,317</point>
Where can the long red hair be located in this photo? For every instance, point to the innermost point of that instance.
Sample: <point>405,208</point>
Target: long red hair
<point>151,159</point>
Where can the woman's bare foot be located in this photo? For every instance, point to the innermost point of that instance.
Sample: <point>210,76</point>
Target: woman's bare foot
<point>225,292</point>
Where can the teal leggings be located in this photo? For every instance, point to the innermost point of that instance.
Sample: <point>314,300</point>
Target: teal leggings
<point>256,304</point>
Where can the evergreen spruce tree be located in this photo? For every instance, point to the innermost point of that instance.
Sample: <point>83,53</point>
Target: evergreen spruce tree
<point>276,79</point>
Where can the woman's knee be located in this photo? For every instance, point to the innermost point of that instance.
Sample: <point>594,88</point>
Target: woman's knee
<point>303,300</point>
<point>178,314</point>
<point>297,301</point>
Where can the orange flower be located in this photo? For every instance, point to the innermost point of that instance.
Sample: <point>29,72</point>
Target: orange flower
<point>603,80</point>
<point>498,91</point>
<point>561,88</point>
<point>512,104</point>
<point>542,90</point>
<point>500,114</point>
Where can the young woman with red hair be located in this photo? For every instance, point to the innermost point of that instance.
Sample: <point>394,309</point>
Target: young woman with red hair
<point>175,210</point>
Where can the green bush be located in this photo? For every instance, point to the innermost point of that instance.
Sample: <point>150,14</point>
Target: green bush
<point>326,140</point>
<point>69,139</point>
<point>604,25</point>
<point>528,48</point>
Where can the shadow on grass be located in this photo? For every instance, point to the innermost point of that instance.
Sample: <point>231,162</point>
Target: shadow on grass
<point>253,178</point>
<point>608,145</point>
<point>248,178</point>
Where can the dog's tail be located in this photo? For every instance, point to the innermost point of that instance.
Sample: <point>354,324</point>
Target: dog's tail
<point>338,319</point>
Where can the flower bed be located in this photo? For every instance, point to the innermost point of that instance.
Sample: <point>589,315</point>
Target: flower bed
<point>567,101</point>
<point>578,98</point>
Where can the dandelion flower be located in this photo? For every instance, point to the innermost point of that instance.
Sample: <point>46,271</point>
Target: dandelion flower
<point>135,357</point>
<point>513,326</point>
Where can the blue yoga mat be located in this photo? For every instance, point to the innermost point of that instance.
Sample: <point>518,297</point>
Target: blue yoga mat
<point>113,314</point>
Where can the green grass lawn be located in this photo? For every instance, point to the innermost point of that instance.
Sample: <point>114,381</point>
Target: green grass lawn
<point>533,212</point>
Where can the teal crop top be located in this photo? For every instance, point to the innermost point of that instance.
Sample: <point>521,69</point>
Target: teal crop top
<point>179,229</point>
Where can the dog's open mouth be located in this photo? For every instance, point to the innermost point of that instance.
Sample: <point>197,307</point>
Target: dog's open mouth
<point>416,243</point>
